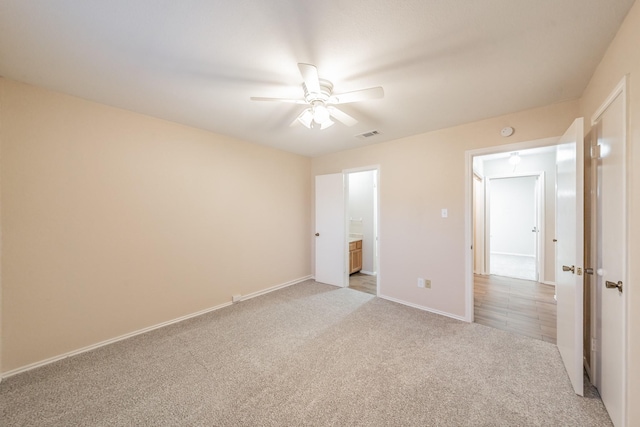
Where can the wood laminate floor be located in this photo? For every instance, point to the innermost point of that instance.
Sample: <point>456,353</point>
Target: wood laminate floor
<point>521,306</point>
<point>363,283</point>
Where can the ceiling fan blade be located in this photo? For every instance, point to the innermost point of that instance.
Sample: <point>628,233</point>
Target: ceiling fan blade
<point>292,101</point>
<point>341,116</point>
<point>309,74</point>
<point>358,95</point>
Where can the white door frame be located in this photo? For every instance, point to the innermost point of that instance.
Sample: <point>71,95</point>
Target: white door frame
<point>540,219</point>
<point>468,210</point>
<point>376,226</point>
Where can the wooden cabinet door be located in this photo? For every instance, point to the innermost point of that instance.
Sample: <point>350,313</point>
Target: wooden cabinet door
<point>355,256</point>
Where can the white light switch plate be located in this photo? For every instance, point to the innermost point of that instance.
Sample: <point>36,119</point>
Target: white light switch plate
<point>445,213</point>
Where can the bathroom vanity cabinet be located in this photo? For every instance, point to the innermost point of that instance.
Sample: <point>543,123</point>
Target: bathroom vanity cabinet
<point>355,256</point>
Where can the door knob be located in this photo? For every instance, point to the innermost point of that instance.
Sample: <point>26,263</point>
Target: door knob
<point>612,285</point>
<point>571,269</point>
<point>317,234</point>
<point>588,270</point>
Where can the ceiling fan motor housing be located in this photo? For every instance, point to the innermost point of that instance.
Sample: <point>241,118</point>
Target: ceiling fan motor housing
<point>326,89</point>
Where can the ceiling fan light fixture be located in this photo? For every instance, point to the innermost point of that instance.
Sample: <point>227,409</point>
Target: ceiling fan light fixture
<point>514,159</point>
<point>320,113</point>
<point>306,118</point>
<point>320,100</point>
<point>327,123</point>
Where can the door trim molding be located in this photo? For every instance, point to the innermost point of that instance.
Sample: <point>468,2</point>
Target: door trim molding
<point>620,89</point>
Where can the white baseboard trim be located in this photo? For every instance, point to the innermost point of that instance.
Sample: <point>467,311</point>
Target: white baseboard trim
<point>512,254</point>
<point>274,288</point>
<point>423,308</point>
<point>144,330</point>
<point>548,283</point>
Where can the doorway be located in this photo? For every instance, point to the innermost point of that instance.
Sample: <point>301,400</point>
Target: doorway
<point>514,222</point>
<point>346,237</point>
<point>513,210</point>
<point>361,229</point>
<point>512,227</point>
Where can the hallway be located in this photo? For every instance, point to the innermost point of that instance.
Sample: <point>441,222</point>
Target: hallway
<point>520,306</point>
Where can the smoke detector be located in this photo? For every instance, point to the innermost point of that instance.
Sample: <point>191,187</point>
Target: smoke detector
<point>507,131</point>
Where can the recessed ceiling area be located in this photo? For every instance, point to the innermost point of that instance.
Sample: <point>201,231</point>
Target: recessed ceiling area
<point>441,62</point>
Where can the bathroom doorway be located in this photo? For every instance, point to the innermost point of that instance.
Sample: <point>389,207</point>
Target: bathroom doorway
<point>362,226</point>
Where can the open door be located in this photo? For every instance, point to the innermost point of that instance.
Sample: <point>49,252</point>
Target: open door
<point>330,230</point>
<point>569,251</point>
<point>513,221</point>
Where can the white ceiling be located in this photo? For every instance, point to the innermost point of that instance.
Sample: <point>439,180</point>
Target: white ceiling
<point>197,62</point>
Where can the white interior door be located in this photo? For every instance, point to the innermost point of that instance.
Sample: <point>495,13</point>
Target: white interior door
<point>569,251</point>
<point>611,256</point>
<point>330,230</point>
<point>512,213</point>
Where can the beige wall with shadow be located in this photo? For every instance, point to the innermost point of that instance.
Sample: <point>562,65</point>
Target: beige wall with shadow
<point>114,221</point>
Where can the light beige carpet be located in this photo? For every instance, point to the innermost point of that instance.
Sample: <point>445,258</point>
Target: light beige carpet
<point>310,354</point>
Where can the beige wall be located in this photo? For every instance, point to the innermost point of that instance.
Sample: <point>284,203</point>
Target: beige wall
<point>421,175</point>
<point>114,221</point>
<point>623,58</point>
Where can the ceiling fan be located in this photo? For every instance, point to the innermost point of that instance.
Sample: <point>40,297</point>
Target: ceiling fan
<point>318,95</point>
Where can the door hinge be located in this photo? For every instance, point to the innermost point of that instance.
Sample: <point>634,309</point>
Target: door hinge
<point>594,344</point>
<point>596,151</point>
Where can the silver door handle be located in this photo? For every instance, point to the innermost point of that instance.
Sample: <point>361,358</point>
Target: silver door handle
<point>612,285</point>
<point>588,270</point>
<point>317,234</point>
<point>571,269</point>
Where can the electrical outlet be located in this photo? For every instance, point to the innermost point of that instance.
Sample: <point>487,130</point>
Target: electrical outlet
<point>427,283</point>
<point>420,282</point>
<point>236,298</point>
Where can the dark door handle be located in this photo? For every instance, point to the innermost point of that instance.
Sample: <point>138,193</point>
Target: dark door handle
<point>613,285</point>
